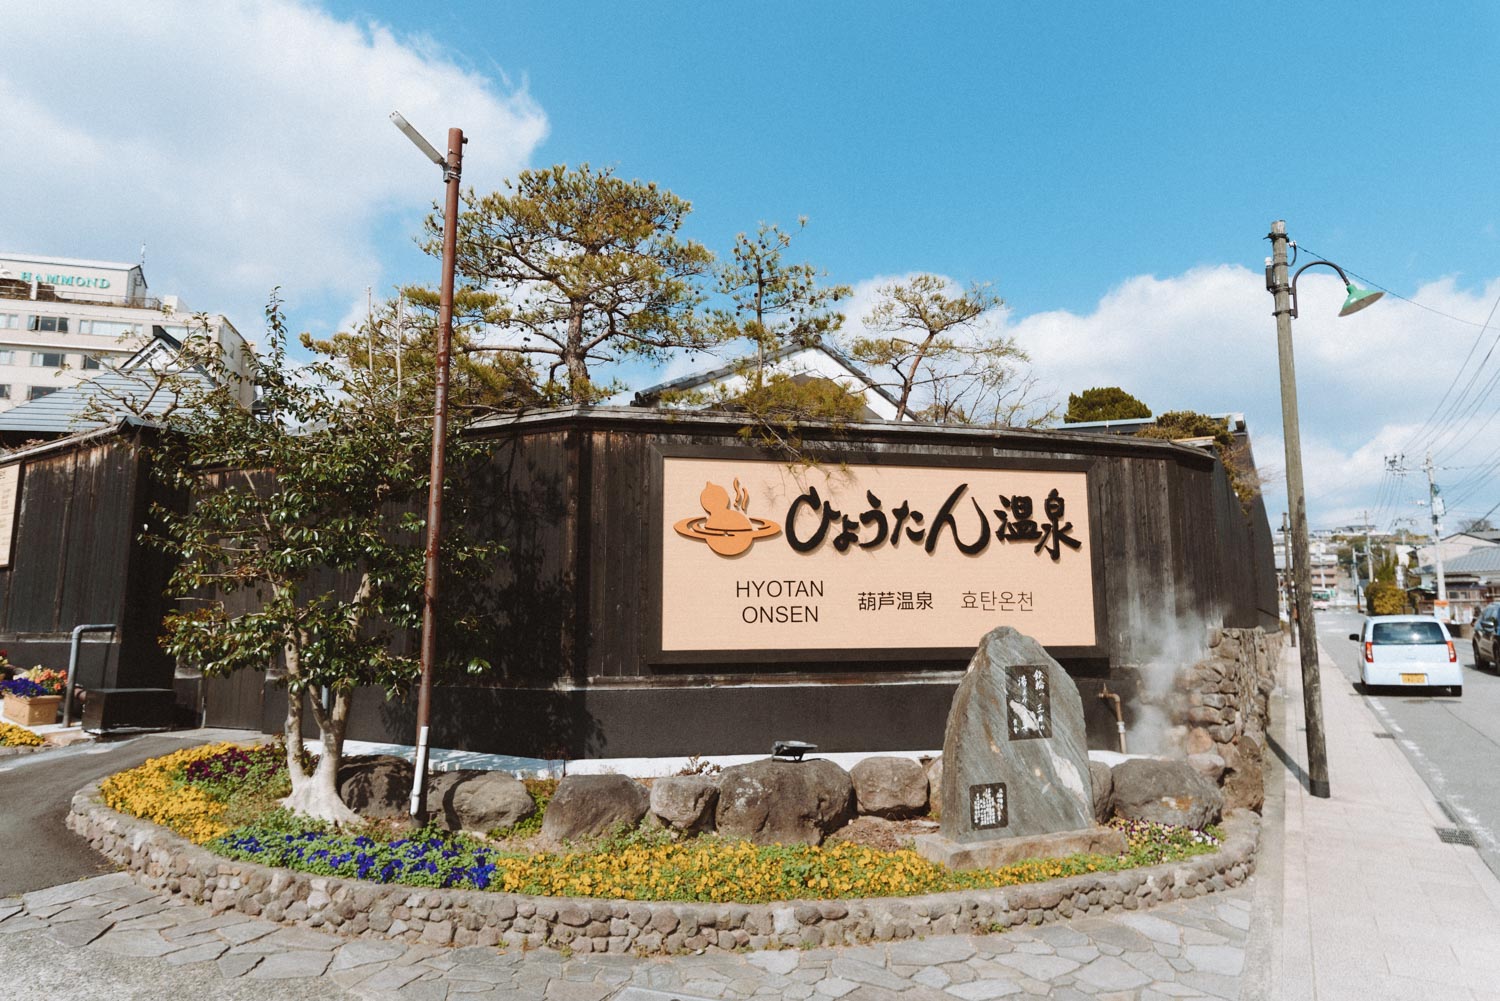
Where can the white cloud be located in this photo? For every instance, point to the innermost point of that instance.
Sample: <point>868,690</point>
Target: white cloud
<point>1206,340</point>
<point>248,144</point>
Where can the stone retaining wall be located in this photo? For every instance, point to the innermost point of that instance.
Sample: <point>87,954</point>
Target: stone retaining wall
<point>1223,707</point>
<point>162,861</point>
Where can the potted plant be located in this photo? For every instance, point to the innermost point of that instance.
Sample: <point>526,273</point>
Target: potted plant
<point>33,700</point>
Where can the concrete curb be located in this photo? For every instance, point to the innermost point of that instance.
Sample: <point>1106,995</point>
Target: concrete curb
<point>164,862</point>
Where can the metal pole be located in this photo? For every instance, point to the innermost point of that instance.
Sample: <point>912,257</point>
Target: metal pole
<point>451,174</point>
<point>1286,573</point>
<point>1312,688</point>
<point>78,632</point>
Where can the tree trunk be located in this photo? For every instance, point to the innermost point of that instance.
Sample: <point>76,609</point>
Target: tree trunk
<point>578,371</point>
<point>317,795</point>
<point>911,377</point>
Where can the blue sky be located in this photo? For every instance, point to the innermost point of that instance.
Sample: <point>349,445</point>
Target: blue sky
<point>1112,170</point>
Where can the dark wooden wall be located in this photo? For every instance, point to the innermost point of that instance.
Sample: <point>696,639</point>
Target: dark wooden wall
<point>570,497</point>
<point>77,559</point>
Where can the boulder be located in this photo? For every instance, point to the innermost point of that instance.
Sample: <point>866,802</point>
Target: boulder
<point>587,805</point>
<point>1244,775</point>
<point>474,800</point>
<point>685,802</point>
<point>1015,758</point>
<point>1103,781</point>
<point>1166,792</point>
<point>786,802</point>
<point>1198,741</point>
<point>935,787</point>
<point>377,786</point>
<point>889,786</point>
<point>1208,764</point>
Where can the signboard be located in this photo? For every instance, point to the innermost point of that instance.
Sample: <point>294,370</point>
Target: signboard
<point>10,502</point>
<point>1028,702</point>
<point>988,808</point>
<point>878,558</point>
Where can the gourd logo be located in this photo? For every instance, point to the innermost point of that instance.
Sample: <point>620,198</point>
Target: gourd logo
<point>727,529</point>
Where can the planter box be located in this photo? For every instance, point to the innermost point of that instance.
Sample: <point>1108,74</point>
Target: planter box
<point>39,710</point>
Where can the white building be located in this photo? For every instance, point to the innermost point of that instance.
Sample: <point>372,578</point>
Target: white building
<point>63,320</point>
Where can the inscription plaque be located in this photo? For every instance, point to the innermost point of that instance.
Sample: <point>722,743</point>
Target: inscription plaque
<point>987,806</point>
<point>1028,702</point>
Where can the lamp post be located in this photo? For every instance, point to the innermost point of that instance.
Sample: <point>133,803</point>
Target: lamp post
<point>1285,294</point>
<point>452,167</point>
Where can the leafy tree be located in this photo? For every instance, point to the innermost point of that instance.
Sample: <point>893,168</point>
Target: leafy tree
<point>1104,403</point>
<point>578,268</point>
<point>1175,425</point>
<point>1384,598</point>
<point>401,338</point>
<point>771,303</point>
<point>1477,525</point>
<point>322,478</point>
<point>774,305</point>
<point>923,339</point>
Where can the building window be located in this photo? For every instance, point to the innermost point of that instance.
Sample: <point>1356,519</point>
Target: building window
<point>90,362</point>
<point>7,357</point>
<point>10,320</point>
<point>37,392</point>
<point>4,391</point>
<point>47,359</point>
<point>48,324</point>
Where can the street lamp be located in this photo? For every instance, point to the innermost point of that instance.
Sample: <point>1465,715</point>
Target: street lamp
<point>452,167</point>
<point>1285,294</point>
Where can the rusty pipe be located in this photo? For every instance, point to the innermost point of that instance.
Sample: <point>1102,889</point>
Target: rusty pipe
<point>1114,700</point>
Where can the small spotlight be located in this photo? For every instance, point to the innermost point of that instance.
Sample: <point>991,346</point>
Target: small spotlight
<point>790,750</point>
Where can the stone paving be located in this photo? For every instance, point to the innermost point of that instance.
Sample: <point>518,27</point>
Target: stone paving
<point>1185,949</point>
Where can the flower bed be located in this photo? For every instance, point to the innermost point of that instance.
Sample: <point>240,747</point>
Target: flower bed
<point>199,792</point>
<point>652,866</point>
<point>18,736</point>
<point>167,862</point>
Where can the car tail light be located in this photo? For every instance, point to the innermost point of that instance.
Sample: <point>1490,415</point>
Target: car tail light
<point>1452,653</point>
<point>1370,652</point>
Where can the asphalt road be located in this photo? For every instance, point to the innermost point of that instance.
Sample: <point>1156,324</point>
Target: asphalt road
<point>1454,743</point>
<point>36,791</point>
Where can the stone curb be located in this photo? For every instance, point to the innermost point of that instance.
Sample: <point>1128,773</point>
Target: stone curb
<point>164,862</point>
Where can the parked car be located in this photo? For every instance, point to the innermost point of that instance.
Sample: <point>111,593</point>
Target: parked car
<point>1408,650</point>
<point>1485,628</point>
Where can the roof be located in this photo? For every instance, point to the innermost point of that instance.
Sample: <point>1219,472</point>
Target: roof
<point>650,397</point>
<point>78,262</point>
<point>60,412</point>
<point>1484,559</point>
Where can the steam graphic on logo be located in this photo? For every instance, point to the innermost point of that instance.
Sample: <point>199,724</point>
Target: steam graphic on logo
<point>727,529</point>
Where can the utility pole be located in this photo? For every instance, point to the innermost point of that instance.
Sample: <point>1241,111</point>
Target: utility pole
<point>1369,566</point>
<point>1435,505</point>
<point>1286,573</point>
<point>452,166</point>
<point>1312,685</point>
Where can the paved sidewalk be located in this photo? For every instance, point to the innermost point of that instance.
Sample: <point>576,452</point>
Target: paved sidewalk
<point>107,938</point>
<point>1373,904</point>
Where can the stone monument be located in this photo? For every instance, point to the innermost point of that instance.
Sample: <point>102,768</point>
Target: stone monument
<point>1016,781</point>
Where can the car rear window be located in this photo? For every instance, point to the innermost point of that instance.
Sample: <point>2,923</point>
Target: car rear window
<point>1408,633</point>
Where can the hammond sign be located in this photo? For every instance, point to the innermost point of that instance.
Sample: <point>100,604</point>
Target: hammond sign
<point>760,555</point>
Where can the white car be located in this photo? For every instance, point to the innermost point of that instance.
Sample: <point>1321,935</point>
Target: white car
<point>1408,650</point>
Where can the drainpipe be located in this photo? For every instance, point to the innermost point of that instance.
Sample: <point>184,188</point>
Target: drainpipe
<point>1114,700</point>
<point>78,632</point>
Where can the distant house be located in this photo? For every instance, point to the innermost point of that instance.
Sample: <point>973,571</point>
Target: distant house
<point>1451,547</point>
<point>136,388</point>
<point>1471,580</point>
<point>800,362</point>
